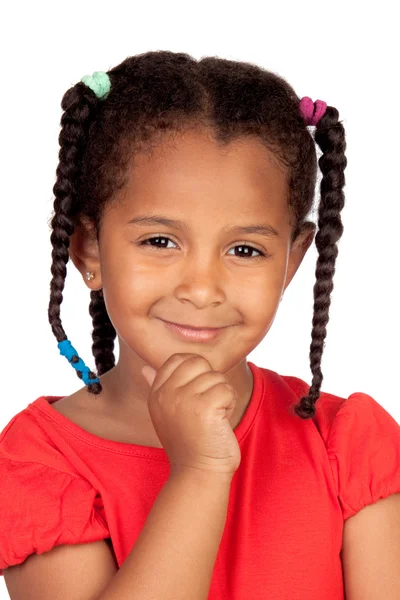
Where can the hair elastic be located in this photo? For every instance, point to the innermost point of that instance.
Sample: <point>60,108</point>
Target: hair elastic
<point>66,349</point>
<point>99,82</point>
<point>311,111</point>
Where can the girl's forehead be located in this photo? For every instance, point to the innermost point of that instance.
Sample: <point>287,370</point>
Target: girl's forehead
<point>193,179</point>
<point>195,173</point>
<point>199,157</point>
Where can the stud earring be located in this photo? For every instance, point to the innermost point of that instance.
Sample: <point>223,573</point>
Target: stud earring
<point>90,275</point>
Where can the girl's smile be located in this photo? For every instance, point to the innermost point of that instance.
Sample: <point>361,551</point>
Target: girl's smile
<point>194,335</point>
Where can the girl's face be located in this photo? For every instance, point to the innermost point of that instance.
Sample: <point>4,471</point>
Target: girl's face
<point>204,271</point>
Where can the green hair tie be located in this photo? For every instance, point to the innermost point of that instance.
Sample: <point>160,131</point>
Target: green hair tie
<point>99,82</point>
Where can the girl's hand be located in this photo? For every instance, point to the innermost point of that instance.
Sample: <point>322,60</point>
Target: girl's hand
<point>190,405</point>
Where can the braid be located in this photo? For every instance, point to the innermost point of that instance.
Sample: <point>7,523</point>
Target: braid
<point>329,135</point>
<point>79,104</point>
<point>103,333</point>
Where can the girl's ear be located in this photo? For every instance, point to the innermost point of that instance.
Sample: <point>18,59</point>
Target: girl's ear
<point>84,253</point>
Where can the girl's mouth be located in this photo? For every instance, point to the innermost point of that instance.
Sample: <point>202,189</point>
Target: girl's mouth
<point>194,335</point>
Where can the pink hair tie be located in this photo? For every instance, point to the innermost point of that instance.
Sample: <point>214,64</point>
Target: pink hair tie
<point>310,111</point>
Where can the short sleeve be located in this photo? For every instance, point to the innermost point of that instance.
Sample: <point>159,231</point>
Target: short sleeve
<point>41,507</point>
<point>364,451</point>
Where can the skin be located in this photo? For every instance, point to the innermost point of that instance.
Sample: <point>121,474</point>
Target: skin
<point>201,278</point>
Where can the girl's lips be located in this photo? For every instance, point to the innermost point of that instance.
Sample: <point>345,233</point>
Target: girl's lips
<point>195,335</point>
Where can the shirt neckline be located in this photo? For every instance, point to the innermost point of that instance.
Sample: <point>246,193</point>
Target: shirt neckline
<point>43,406</point>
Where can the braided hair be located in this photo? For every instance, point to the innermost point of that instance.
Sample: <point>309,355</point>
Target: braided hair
<point>163,91</point>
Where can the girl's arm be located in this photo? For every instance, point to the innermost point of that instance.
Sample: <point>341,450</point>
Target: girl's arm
<point>174,555</point>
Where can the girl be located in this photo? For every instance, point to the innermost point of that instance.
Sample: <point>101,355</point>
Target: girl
<point>184,471</point>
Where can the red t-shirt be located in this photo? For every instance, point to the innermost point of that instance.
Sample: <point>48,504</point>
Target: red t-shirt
<point>297,482</point>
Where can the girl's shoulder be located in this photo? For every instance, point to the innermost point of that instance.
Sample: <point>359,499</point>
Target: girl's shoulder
<point>25,440</point>
<point>362,441</point>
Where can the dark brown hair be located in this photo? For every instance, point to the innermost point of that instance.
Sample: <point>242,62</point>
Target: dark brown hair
<point>162,92</point>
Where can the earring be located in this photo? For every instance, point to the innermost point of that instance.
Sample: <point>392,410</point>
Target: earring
<point>90,275</point>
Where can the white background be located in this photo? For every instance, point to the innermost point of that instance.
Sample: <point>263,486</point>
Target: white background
<point>343,53</point>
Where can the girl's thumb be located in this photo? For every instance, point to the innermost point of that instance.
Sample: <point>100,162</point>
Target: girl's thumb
<point>149,374</point>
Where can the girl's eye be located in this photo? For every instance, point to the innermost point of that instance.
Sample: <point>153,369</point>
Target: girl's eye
<point>158,237</point>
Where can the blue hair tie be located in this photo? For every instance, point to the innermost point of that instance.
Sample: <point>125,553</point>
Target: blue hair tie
<point>66,349</point>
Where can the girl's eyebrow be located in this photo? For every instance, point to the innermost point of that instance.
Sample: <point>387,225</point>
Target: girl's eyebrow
<point>261,228</point>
